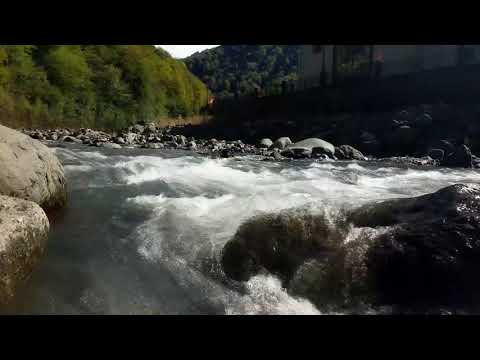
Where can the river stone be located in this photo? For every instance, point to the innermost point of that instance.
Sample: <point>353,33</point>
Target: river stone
<point>181,140</point>
<point>265,143</point>
<point>279,243</point>
<point>281,143</point>
<point>312,143</point>
<point>130,138</point>
<point>71,139</point>
<point>30,170</point>
<point>23,234</point>
<point>138,129</point>
<point>347,152</point>
<point>297,153</point>
<point>111,145</point>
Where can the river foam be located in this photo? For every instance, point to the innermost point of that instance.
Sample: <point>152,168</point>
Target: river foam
<point>177,212</point>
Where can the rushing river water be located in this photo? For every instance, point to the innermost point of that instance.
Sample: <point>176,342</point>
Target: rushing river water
<point>143,228</point>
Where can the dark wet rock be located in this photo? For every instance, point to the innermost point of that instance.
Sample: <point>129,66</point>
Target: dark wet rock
<point>461,157</point>
<point>347,152</point>
<point>30,170</point>
<point>436,154</point>
<point>431,251</point>
<point>297,153</point>
<point>282,143</point>
<point>227,153</point>
<point>24,231</point>
<point>320,153</point>
<point>408,252</point>
<point>279,243</point>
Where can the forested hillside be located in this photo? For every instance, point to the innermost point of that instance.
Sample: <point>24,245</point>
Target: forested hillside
<point>103,86</point>
<point>244,69</point>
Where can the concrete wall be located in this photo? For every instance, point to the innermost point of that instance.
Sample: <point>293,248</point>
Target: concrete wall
<point>435,56</point>
<point>397,60</point>
<point>311,67</point>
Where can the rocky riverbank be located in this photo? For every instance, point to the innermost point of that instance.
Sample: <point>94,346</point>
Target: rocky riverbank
<point>32,182</point>
<point>149,136</point>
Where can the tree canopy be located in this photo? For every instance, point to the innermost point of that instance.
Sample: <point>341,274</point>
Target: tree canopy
<point>230,70</point>
<point>103,86</point>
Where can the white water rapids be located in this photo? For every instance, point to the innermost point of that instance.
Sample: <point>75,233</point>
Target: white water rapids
<point>142,226</point>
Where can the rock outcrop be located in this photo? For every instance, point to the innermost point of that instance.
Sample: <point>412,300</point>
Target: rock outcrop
<point>24,230</point>
<point>30,171</point>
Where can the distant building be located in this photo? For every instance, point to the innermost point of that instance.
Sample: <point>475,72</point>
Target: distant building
<point>321,65</point>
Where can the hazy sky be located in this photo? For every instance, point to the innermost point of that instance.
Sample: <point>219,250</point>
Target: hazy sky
<point>181,51</point>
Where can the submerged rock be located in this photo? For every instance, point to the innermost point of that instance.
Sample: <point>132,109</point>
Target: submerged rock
<point>30,170</point>
<point>23,234</point>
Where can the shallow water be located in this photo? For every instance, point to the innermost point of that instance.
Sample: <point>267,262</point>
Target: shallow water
<point>143,228</point>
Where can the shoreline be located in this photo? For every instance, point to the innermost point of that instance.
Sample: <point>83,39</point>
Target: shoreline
<point>150,136</point>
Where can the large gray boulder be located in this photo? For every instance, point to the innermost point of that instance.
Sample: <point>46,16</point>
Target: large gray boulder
<point>23,234</point>
<point>30,170</point>
<point>281,143</point>
<point>314,143</point>
<point>265,143</point>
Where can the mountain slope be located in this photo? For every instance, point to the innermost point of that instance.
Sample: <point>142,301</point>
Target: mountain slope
<point>241,69</point>
<point>103,86</point>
